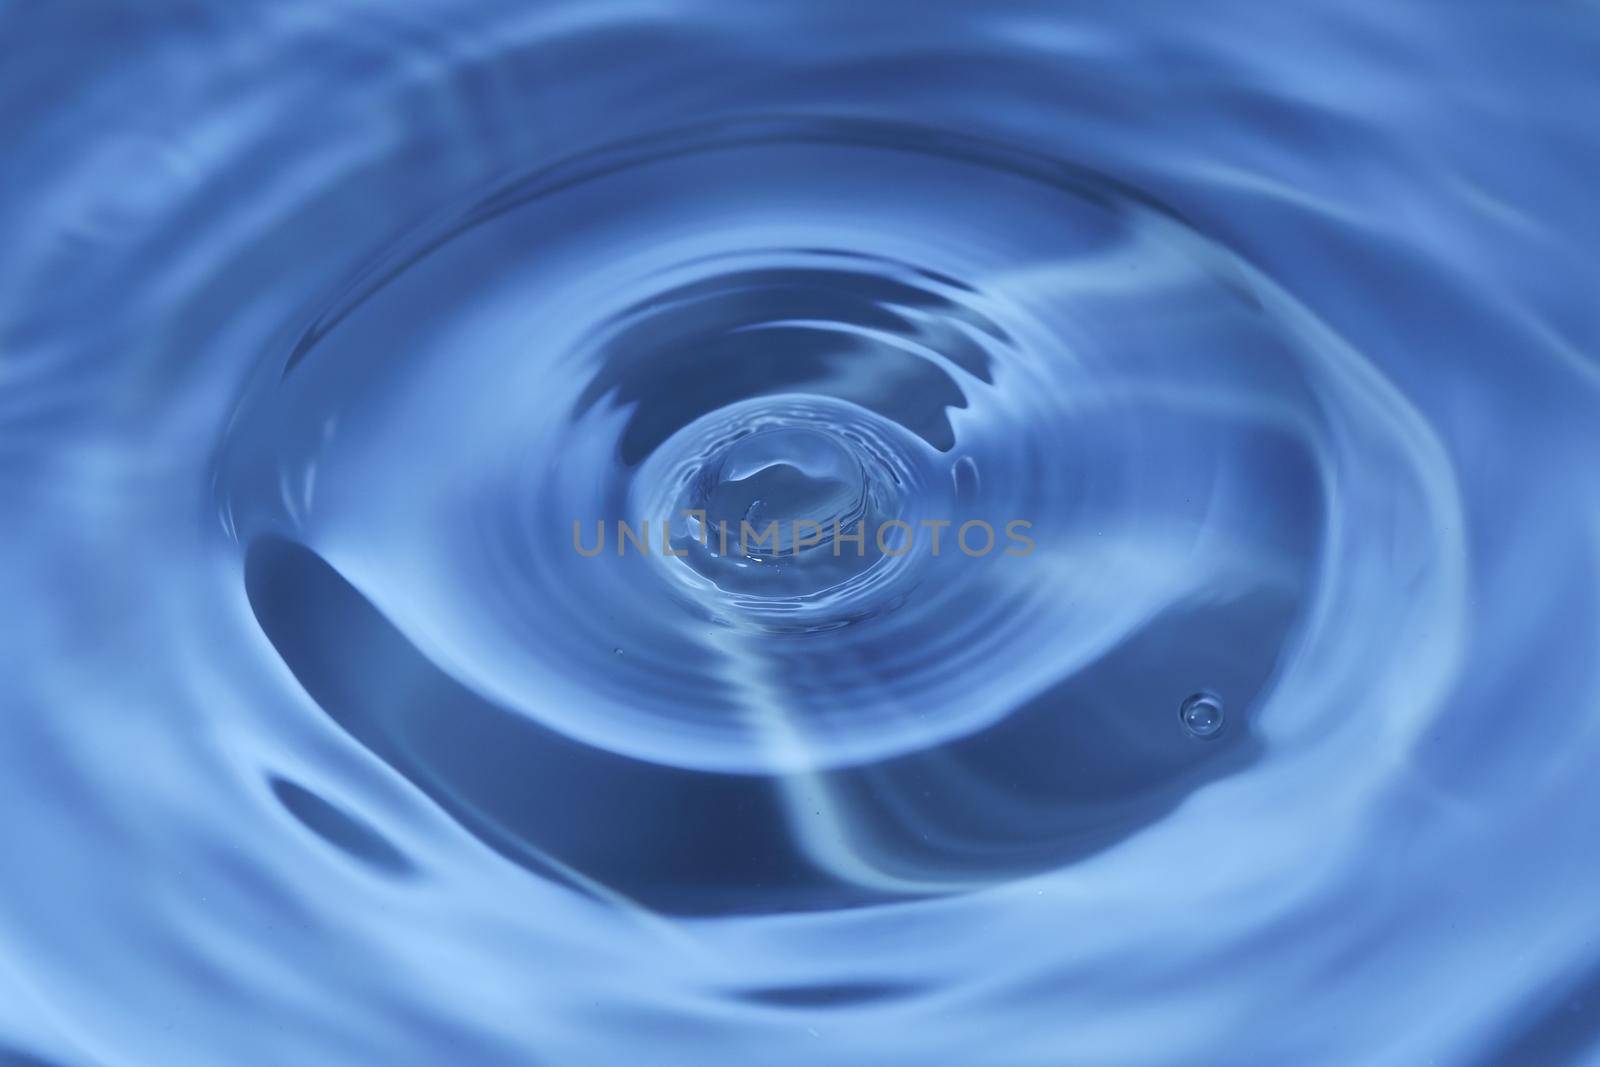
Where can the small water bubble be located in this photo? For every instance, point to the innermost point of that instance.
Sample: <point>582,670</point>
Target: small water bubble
<point>1201,715</point>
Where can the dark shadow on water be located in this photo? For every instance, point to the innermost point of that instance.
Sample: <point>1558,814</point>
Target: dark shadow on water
<point>1563,1031</point>
<point>676,840</point>
<point>714,344</point>
<point>1068,774</point>
<point>340,829</point>
<point>826,996</point>
<point>10,1058</point>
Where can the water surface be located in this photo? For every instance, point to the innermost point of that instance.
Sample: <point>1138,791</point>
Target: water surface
<point>320,326</point>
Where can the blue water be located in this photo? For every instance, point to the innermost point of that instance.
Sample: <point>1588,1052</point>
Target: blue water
<point>321,325</point>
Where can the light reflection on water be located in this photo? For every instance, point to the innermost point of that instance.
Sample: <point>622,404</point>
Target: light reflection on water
<point>319,328</point>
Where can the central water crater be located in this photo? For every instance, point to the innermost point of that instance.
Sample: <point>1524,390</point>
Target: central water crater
<point>781,503</point>
<point>783,492</point>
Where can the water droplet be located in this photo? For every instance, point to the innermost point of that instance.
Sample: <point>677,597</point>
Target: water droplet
<point>1201,715</point>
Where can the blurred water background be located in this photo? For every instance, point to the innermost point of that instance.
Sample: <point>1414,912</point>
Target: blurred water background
<point>322,323</point>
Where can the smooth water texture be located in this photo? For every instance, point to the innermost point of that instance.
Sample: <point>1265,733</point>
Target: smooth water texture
<point>1270,737</point>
